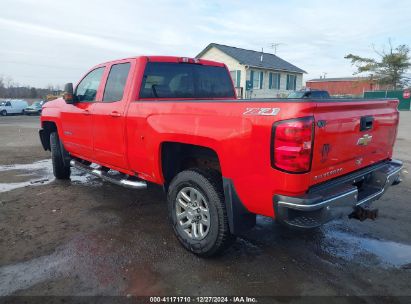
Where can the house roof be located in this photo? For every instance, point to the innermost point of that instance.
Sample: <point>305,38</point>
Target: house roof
<point>253,58</point>
<point>340,79</point>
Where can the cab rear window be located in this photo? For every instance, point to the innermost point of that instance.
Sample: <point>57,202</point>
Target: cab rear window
<point>185,80</point>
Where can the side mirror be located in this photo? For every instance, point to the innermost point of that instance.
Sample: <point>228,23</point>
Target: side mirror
<point>68,95</point>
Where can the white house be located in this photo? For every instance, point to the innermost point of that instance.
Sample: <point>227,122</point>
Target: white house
<point>269,76</point>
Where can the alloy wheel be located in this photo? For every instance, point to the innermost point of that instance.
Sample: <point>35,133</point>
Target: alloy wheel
<point>192,213</point>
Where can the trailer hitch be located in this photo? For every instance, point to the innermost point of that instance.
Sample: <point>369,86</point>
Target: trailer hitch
<point>363,213</point>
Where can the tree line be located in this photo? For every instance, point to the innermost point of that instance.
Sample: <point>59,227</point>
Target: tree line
<point>11,89</point>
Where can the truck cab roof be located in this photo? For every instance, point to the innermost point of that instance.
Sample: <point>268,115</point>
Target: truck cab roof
<point>156,58</point>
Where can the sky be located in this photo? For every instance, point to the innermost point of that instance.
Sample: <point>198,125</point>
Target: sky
<point>49,42</point>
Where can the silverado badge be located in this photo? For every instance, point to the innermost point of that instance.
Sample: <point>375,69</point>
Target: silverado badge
<point>364,140</point>
<point>328,173</point>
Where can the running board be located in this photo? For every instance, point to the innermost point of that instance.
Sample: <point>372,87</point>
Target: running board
<point>103,175</point>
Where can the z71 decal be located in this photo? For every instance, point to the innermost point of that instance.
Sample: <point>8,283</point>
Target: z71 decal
<point>262,111</point>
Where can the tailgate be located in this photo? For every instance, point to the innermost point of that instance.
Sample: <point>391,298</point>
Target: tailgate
<point>351,135</point>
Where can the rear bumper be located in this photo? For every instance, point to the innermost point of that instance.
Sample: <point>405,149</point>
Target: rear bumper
<point>337,197</point>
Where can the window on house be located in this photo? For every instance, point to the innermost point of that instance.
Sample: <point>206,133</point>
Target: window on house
<point>236,76</point>
<point>256,79</point>
<point>291,82</point>
<point>274,81</point>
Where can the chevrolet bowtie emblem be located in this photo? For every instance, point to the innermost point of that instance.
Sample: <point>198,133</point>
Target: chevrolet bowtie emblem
<point>365,140</point>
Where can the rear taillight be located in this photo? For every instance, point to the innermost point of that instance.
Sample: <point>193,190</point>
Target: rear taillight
<point>292,145</point>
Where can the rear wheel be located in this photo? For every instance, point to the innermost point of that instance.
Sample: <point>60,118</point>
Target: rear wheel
<point>3,113</point>
<point>60,170</point>
<point>197,212</point>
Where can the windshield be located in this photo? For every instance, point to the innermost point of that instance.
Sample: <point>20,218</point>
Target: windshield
<point>185,80</point>
<point>37,104</point>
<point>296,95</point>
<point>3,103</point>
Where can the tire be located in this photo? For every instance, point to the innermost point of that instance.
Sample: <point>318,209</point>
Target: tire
<point>3,113</point>
<point>204,189</point>
<point>60,170</point>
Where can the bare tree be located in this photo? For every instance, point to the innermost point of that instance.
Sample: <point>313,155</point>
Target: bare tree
<point>390,68</point>
<point>2,88</point>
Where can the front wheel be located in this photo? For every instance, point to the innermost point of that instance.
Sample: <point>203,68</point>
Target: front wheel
<point>60,170</point>
<point>3,113</point>
<point>198,213</point>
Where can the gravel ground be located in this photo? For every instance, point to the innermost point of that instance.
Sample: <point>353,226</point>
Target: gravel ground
<point>87,237</point>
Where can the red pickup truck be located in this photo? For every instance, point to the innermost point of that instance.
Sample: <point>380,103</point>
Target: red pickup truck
<point>222,161</point>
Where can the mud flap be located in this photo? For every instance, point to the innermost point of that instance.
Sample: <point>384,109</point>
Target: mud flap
<point>45,142</point>
<point>239,218</point>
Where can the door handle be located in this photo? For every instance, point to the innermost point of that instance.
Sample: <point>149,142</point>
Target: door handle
<point>366,123</point>
<point>115,114</point>
<point>86,112</point>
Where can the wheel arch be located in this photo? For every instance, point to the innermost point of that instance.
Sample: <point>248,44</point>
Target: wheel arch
<point>47,128</point>
<point>176,157</point>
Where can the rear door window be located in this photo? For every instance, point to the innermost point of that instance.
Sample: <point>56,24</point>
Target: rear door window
<point>116,82</point>
<point>185,80</point>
